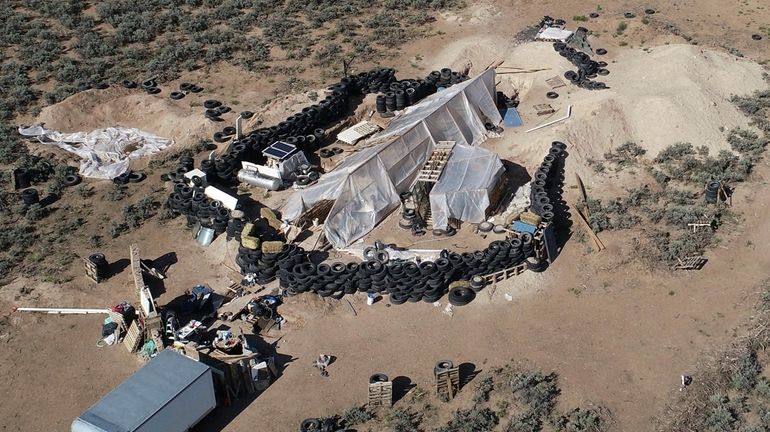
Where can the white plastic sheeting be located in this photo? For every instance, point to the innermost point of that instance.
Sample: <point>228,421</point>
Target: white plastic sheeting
<point>365,186</point>
<point>104,153</point>
<point>463,190</point>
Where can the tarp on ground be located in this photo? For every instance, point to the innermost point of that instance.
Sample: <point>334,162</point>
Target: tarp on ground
<point>365,187</point>
<point>464,188</point>
<point>104,153</point>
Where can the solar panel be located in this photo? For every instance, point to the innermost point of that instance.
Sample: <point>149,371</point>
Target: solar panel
<point>279,150</point>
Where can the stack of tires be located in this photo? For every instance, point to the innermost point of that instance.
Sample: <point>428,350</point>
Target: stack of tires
<point>445,78</point>
<point>546,182</point>
<point>197,207</point>
<point>401,94</point>
<point>587,69</point>
<point>267,266</point>
<point>373,81</point>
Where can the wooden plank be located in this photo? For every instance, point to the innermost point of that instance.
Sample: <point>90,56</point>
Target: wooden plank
<point>133,337</point>
<point>582,219</point>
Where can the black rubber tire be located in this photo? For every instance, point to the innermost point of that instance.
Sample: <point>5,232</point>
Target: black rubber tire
<point>337,150</point>
<point>603,72</point>
<point>629,15</point>
<point>102,86</point>
<point>310,425</point>
<point>381,256</point>
<point>176,95</point>
<point>756,37</point>
<point>223,109</point>
<point>136,177</point>
<point>128,84</point>
<point>378,378</point>
<point>153,90</point>
<point>196,89</point>
<point>149,83</point>
<point>649,11</point>
<point>601,51</point>
<point>185,87</point>
<point>220,137</point>
<point>211,104</point>
<point>593,15</point>
<point>247,114</point>
<point>121,179</point>
<point>397,299</point>
<point>325,153</point>
<point>228,131</point>
<point>461,296</point>
<point>552,95</point>
<point>486,226</point>
<point>369,253</point>
<point>71,179</point>
<point>442,365</point>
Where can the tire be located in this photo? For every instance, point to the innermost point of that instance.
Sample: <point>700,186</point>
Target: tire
<point>223,109</point>
<point>382,257</point>
<point>756,37</point>
<point>552,95</point>
<point>603,72</point>
<point>369,253</point>
<point>102,86</point>
<point>247,114</point>
<point>486,226</point>
<point>442,365</point>
<point>378,378</point>
<point>461,296</point>
<point>149,83</point>
<point>128,84</point>
<point>601,51</point>
<point>196,89</point>
<point>71,179</point>
<point>397,299</point>
<point>499,229</point>
<point>136,177</point>
<point>220,137</point>
<point>629,15</point>
<point>336,150</point>
<point>228,131</point>
<point>121,179</point>
<point>211,104</point>
<point>175,95</point>
<point>325,153</point>
<point>310,425</point>
<point>593,15</point>
<point>153,90</point>
<point>649,11</point>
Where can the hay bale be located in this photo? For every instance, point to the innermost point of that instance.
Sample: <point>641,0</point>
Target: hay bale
<point>271,218</point>
<point>460,283</point>
<point>272,247</point>
<point>250,242</point>
<point>247,229</point>
<point>530,218</point>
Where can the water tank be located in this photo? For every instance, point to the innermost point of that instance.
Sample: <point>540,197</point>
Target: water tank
<point>253,178</point>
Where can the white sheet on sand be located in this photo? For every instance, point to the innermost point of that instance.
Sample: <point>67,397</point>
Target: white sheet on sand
<point>104,153</point>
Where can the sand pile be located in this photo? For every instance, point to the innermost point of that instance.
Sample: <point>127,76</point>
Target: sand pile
<point>158,115</point>
<point>658,97</point>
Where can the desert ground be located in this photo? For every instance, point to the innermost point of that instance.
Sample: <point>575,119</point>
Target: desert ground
<point>618,332</point>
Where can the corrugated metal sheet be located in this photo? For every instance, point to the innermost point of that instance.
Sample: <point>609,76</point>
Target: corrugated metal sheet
<point>127,407</point>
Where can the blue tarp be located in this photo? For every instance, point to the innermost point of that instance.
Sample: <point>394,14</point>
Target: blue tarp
<point>523,227</point>
<point>510,117</point>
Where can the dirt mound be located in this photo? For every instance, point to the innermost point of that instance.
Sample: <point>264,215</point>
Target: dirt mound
<point>657,97</point>
<point>157,114</point>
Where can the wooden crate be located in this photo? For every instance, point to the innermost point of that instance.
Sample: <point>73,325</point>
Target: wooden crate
<point>91,271</point>
<point>134,336</point>
<point>504,274</point>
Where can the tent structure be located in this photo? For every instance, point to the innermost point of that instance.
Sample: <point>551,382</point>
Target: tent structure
<point>365,187</point>
<point>463,191</point>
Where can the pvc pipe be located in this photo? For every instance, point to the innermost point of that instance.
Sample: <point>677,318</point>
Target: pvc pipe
<point>569,112</point>
<point>57,311</point>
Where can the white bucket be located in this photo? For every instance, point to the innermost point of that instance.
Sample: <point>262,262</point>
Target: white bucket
<point>370,298</point>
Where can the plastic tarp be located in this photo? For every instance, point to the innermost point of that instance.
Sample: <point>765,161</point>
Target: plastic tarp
<point>365,187</point>
<point>104,153</point>
<point>462,191</point>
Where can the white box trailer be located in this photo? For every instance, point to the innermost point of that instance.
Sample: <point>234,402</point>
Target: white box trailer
<point>171,393</point>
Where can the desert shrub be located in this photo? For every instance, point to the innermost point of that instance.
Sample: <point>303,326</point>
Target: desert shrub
<point>328,55</point>
<point>622,26</point>
<point>355,415</point>
<point>35,212</point>
<point>579,18</point>
<point>581,420</point>
<point>115,229</point>
<point>483,389</point>
<point>524,422</point>
<point>682,215</point>
<point>674,152</point>
<point>746,142</point>
<point>473,420</point>
<point>400,420</point>
<point>135,214</point>
<point>670,246</point>
<point>17,237</point>
<point>537,390</point>
<point>724,414</point>
<point>744,377</point>
<point>625,155</point>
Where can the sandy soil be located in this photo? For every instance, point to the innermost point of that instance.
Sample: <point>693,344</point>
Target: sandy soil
<point>614,332</point>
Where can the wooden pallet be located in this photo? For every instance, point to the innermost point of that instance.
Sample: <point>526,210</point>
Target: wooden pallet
<point>508,273</point>
<point>91,271</point>
<point>544,109</point>
<point>133,337</point>
<point>381,394</point>
<point>555,82</point>
<point>434,166</point>
<point>691,263</point>
<point>448,383</point>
